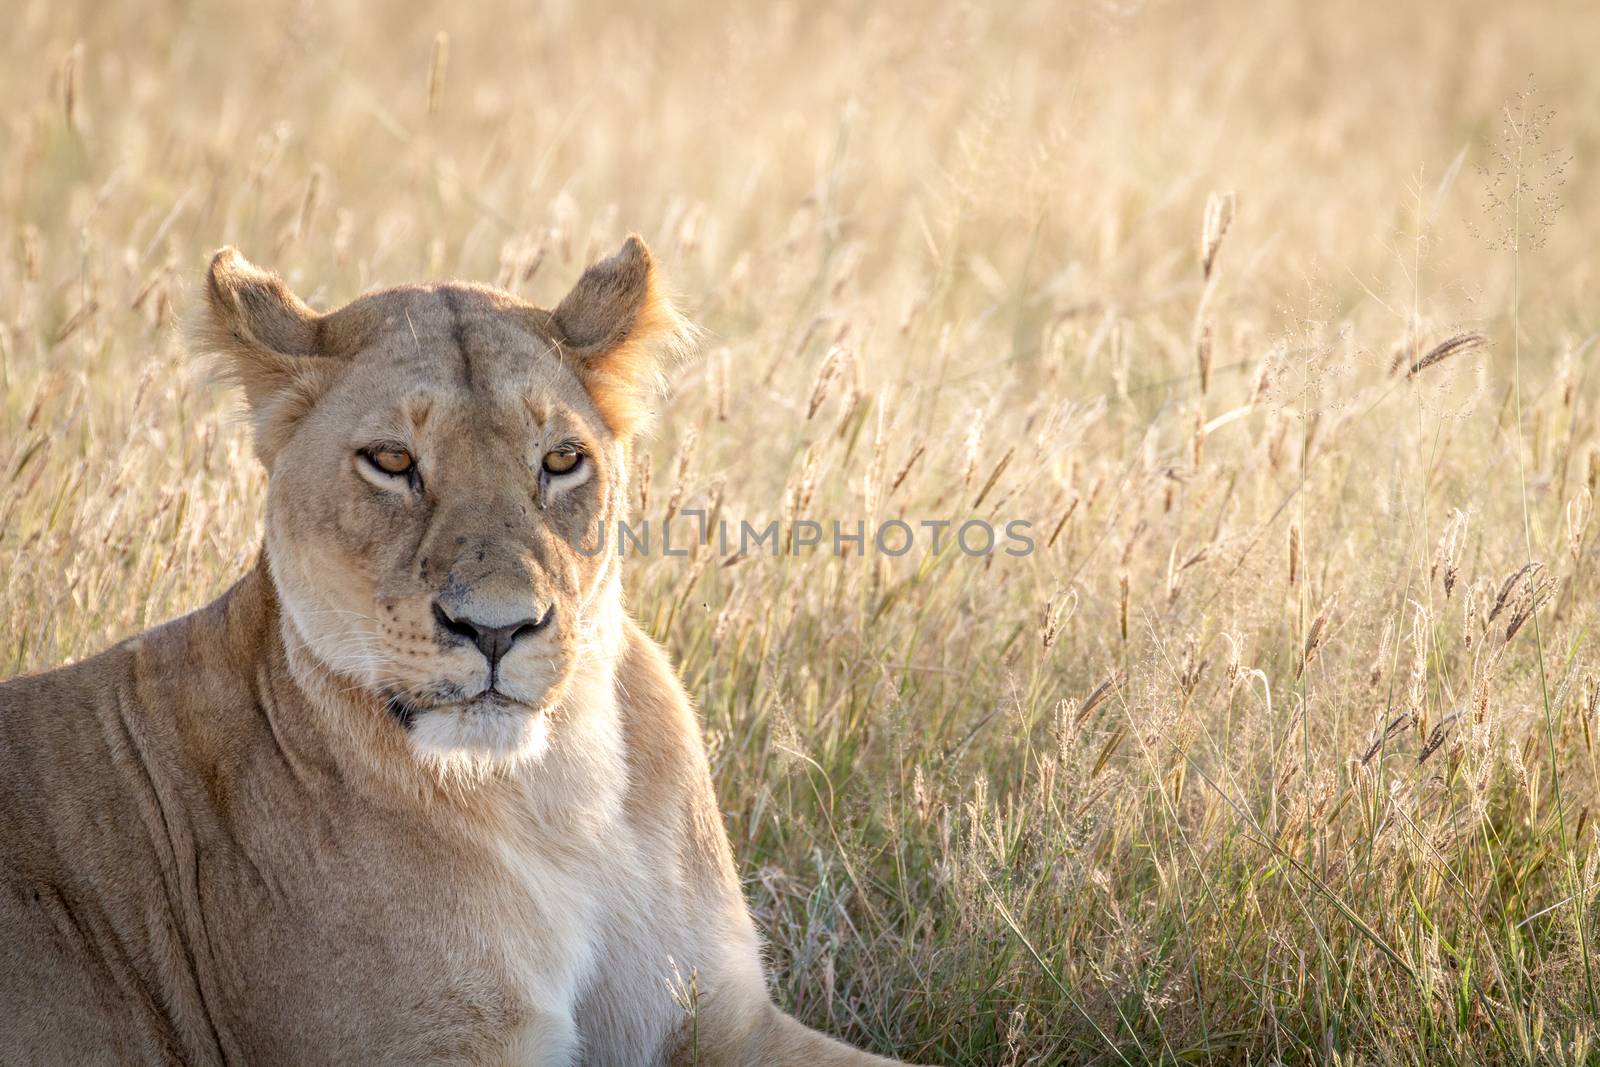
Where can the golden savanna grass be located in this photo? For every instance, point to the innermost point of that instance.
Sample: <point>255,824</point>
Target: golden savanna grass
<point>1276,321</point>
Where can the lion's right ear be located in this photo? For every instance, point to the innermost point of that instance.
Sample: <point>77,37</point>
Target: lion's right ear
<point>267,340</point>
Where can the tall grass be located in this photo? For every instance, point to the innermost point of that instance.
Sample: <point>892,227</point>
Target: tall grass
<point>1281,746</point>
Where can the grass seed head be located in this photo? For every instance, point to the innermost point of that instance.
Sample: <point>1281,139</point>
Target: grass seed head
<point>1455,346</point>
<point>1218,217</point>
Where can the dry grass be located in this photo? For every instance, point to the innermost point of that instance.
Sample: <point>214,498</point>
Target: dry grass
<point>1277,748</point>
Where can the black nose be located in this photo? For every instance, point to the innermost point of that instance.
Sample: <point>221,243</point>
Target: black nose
<point>493,641</point>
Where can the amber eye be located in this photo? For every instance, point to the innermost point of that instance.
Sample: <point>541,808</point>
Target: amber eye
<point>391,460</point>
<point>562,461</point>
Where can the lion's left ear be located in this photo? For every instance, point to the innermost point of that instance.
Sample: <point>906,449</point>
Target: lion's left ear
<point>619,328</point>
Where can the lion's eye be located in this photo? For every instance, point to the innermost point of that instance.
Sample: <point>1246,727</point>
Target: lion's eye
<point>394,461</point>
<point>562,461</point>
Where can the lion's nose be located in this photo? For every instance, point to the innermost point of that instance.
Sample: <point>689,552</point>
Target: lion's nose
<point>493,641</point>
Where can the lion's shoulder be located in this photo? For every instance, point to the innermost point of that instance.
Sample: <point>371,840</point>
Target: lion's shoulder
<point>152,709</point>
<point>57,712</point>
<point>669,776</point>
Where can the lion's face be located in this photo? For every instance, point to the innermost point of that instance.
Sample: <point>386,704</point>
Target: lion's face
<point>441,460</point>
<point>425,523</point>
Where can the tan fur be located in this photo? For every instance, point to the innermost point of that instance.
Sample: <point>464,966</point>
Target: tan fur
<point>308,823</point>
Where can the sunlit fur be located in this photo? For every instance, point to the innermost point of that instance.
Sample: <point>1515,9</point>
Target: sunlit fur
<point>396,837</point>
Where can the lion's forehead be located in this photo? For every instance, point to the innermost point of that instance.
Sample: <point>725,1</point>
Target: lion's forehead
<point>488,423</point>
<point>466,354</point>
<point>442,306</point>
<point>434,328</point>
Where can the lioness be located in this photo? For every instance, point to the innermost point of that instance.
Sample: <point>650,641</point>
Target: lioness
<point>416,789</point>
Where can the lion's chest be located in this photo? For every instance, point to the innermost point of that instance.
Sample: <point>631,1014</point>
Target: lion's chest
<point>403,949</point>
<point>587,942</point>
<point>552,911</point>
<point>602,936</point>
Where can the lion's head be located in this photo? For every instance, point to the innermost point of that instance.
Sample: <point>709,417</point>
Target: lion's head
<point>440,458</point>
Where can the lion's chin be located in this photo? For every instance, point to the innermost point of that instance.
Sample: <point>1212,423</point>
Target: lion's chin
<point>479,734</point>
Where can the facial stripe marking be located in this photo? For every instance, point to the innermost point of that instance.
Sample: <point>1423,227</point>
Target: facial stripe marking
<point>419,410</point>
<point>458,334</point>
<point>536,409</point>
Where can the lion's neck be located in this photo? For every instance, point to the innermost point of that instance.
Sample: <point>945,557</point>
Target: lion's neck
<point>582,774</point>
<point>326,719</point>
